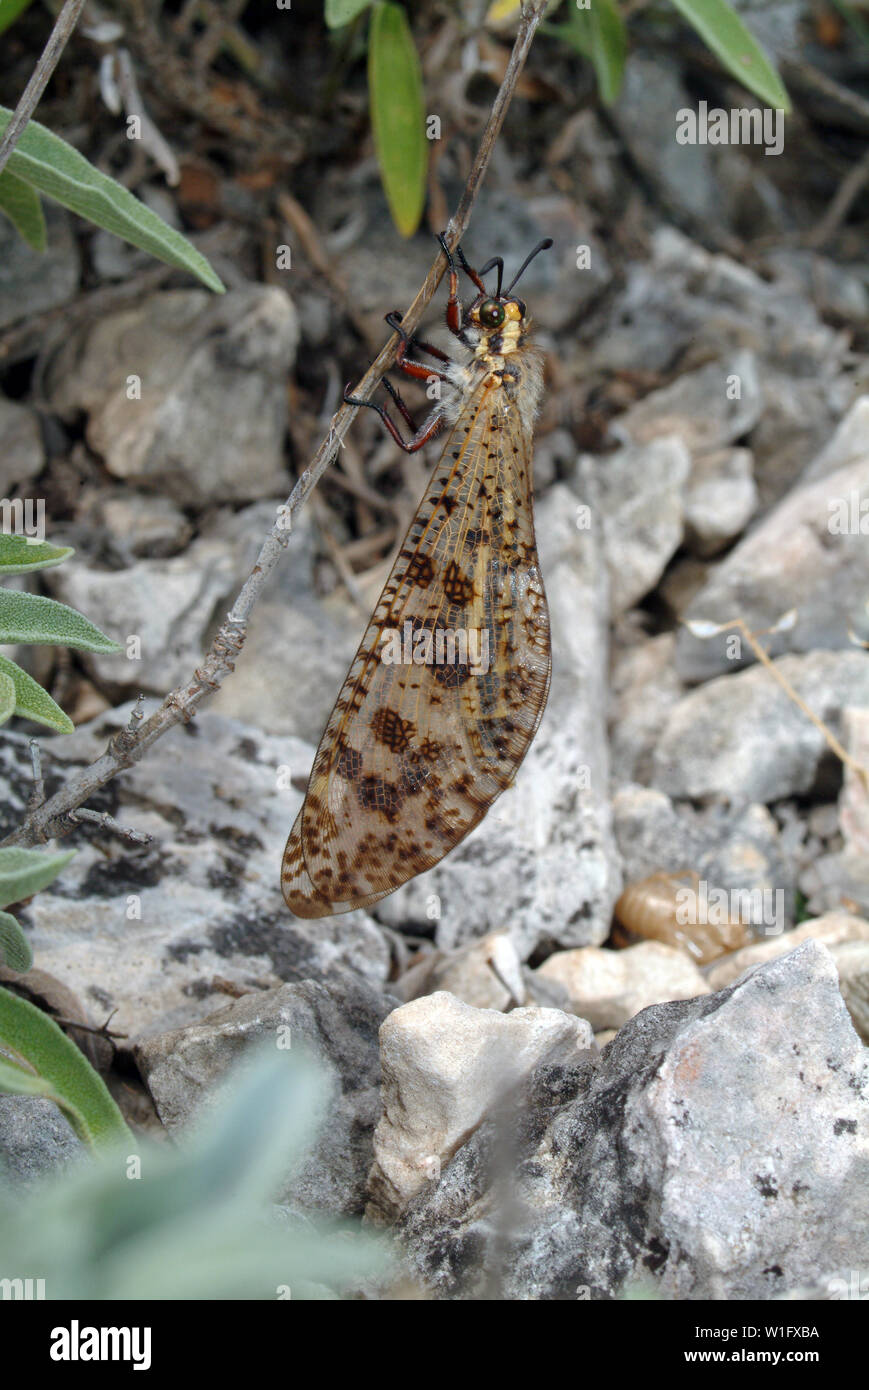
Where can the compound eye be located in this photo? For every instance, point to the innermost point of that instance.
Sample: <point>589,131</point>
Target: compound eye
<point>491,314</point>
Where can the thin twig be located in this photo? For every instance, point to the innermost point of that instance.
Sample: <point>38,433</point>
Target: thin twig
<point>846,194</point>
<point>58,39</point>
<point>137,837</point>
<point>129,745</point>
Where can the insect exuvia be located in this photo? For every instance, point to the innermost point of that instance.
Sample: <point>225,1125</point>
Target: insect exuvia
<point>449,684</point>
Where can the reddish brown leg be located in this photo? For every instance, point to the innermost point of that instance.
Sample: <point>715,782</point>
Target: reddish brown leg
<point>394,321</point>
<point>405,412</point>
<point>454,308</point>
<point>407,364</point>
<point>420,436</point>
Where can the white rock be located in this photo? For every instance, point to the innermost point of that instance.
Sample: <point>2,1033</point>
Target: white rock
<point>445,1065</point>
<point>741,737</point>
<point>831,929</point>
<point>637,493</point>
<point>485,973</point>
<point>609,987</point>
<point>808,553</point>
<point>209,419</point>
<point>720,499</point>
<point>700,408</point>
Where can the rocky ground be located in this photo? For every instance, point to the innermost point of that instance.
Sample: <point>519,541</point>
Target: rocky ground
<point>542,1094</point>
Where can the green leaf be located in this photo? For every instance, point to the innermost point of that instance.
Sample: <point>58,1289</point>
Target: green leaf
<point>80,1092</point>
<point>18,554</point>
<point>33,618</point>
<point>22,206</point>
<point>49,164</point>
<point>7,697</point>
<point>24,871</point>
<point>576,33</point>
<point>14,945</point>
<point>397,114</point>
<point>339,12</point>
<point>32,702</point>
<point>735,47</point>
<point>598,34</point>
<point>609,46</point>
<point>19,1081</point>
<point>10,10</point>
<point>199,1223</point>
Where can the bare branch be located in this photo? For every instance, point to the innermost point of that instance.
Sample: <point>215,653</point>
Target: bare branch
<point>136,837</point>
<point>129,745</point>
<point>58,39</point>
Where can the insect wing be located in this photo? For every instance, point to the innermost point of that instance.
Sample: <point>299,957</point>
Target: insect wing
<point>416,751</point>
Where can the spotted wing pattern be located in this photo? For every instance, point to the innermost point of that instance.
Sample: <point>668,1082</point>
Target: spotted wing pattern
<point>413,755</point>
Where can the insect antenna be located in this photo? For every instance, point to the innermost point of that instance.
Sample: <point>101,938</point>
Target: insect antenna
<point>484,270</point>
<point>543,245</point>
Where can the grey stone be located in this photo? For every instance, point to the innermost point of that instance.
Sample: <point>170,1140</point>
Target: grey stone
<point>809,553</point>
<point>636,493</point>
<point>33,281</point>
<point>852,963</point>
<point>166,604</point>
<point>741,737</point>
<point>210,423</point>
<point>777,24</point>
<point>21,451</point>
<point>36,1139</point>
<point>838,292</point>
<point>644,689</point>
<point>720,500</point>
<point>847,446</point>
<point>715,1151</point>
<point>171,605</point>
<point>486,974</point>
<point>337,1023</point>
<point>684,298</point>
<point>852,813</point>
<point>706,409</point>
<point>682,581</point>
<point>645,116</point>
<point>735,848</point>
<point>161,931</point>
<point>133,525</point>
<point>298,646</point>
<point>686,305</point>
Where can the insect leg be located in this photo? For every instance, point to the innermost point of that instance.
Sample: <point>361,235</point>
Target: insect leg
<point>417,369</point>
<point>454,308</point>
<point>405,413</point>
<point>420,436</point>
<point>394,321</point>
